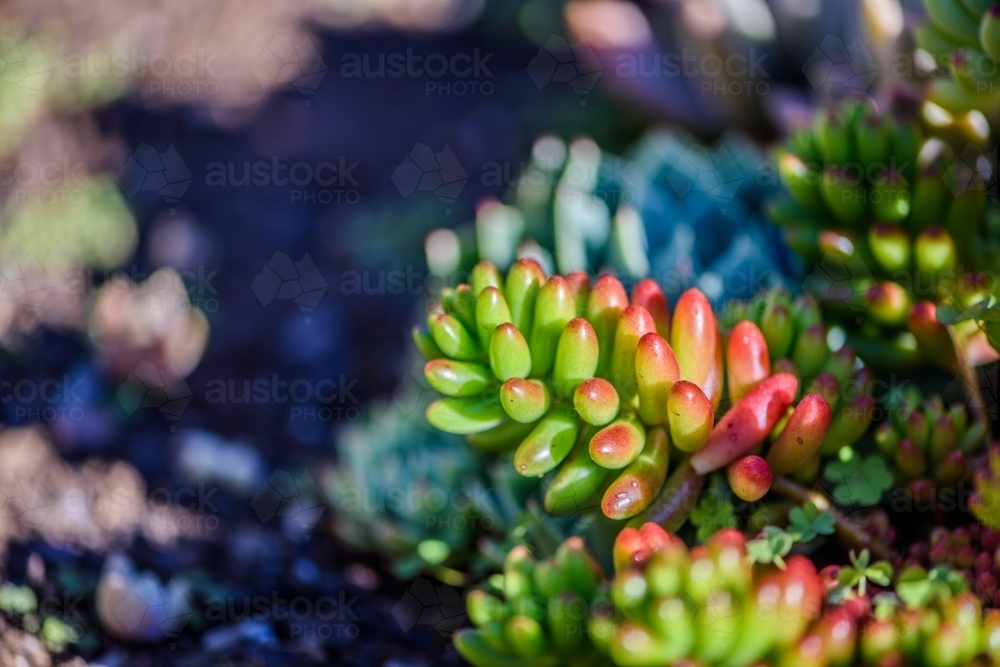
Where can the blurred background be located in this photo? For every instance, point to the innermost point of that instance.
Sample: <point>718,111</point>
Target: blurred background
<point>218,222</point>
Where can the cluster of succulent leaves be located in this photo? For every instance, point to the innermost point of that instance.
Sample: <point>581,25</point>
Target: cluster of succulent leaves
<point>583,382</point>
<point>963,36</point>
<point>539,613</point>
<point>667,206</point>
<point>712,605</point>
<point>928,444</point>
<point>892,224</point>
<point>929,621</point>
<point>796,338</point>
<point>557,371</point>
<point>425,502</point>
<point>985,503</point>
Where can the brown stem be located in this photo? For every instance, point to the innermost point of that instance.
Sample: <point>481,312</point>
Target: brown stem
<point>675,502</point>
<point>853,534</point>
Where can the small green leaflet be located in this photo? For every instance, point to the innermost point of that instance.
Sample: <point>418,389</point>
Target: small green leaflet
<point>859,483</point>
<point>862,570</point>
<point>982,311</point>
<point>771,547</point>
<point>807,522</point>
<point>985,313</point>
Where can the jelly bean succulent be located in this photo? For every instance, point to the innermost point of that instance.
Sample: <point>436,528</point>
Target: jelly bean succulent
<point>962,558</point>
<point>963,36</point>
<point>601,387</point>
<point>893,225</point>
<point>711,605</point>
<point>566,211</point>
<point>795,340</point>
<point>540,614</point>
<point>928,445</point>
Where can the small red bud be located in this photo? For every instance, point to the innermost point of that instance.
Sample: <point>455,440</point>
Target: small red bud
<point>750,478</point>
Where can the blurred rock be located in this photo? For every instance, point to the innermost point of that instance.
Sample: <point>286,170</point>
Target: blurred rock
<point>149,321</point>
<point>204,456</point>
<point>226,637</point>
<point>94,505</point>
<point>136,606</point>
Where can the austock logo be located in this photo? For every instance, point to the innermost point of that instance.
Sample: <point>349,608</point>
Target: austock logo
<point>149,170</point>
<point>283,496</point>
<point>285,279</point>
<point>24,497</point>
<point>146,610</point>
<point>137,606</point>
<point>151,387</point>
<point>423,170</point>
<point>287,60</point>
<point>452,74</point>
<point>835,278</point>
<point>714,171</point>
<point>413,392</point>
<point>979,391</point>
<point>23,282</point>
<point>557,61</point>
<point>837,64</point>
<point>973,169</point>
<point>426,603</point>
<point>23,63</point>
<point>326,182</point>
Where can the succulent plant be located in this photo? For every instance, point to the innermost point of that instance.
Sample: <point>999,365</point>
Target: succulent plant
<point>542,616</point>
<point>584,382</point>
<point>963,36</point>
<point>422,499</point>
<point>791,335</point>
<point>710,605</point>
<point>947,629</point>
<point>578,208</point>
<point>962,559</point>
<point>892,228</point>
<point>380,461</point>
<point>928,444</point>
